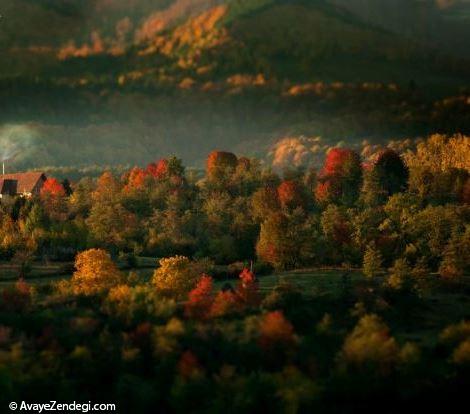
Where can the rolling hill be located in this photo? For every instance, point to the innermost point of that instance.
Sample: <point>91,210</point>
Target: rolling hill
<point>107,81</point>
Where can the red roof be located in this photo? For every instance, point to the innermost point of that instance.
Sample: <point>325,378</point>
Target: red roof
<point>27,182</point>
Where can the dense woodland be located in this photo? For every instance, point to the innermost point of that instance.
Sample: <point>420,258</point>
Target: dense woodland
<point>328,271</point>
<point>182,341</point>
<point>411,207</point>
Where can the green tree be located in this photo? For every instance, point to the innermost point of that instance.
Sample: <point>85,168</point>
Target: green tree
<point>399,275</point>
<point>455,257</point>
<point>372,263</point>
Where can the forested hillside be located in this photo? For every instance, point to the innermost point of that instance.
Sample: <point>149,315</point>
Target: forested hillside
<point>104,82</point>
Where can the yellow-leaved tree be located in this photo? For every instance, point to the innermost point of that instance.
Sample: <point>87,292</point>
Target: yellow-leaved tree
<point>96,272</point>
<point>177,275</point>
<point>441,153</point>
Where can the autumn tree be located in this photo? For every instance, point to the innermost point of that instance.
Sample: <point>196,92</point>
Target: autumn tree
<point>248,289</point>
<point>52,187</point>
<point>53,198</point>
<point>338,233</point>
<point>291,194</point>
<point>159,169</point>
<point>177,275</point>
<point>264,202</point>
<point>340,179</point>
<point>80,201</point>
<point>399,276</point>
<point>455,257</point>
<point>370,345</point>
<point>135,180</point>
<point>220,165</point>
<point>95,272</point>
<point>107,188</point>
<point>441,153</point>
<point>112,226</point>
<point>276,330</point>
<point>200,299</point>
<point>226,303</point>
<point>286,241</point>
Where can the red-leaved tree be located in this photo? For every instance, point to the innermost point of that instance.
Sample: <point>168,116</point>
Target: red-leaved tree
<point>52,187</point>
<point>340,179</point>
<point>136,179</point>
<point>248,288</point>
<point>291,194</point>
<point>159,169</point>
<point>200,299</point>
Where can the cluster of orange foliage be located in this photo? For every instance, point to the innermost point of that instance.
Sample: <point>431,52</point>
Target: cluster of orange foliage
<point>290,194</point>
<point>275,330</point>
<point>52,187</point>
<point>200,299</point>
<point>137,176</point>
<point>340,165</point>
<point>218,161</point>
<point>202,304</point>
<point>158,169</point>
<point>96,272</point>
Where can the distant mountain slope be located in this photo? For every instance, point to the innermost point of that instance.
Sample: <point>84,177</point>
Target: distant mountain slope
<point>114,81</point>
<point>276,37</point>
<point>442,23</point>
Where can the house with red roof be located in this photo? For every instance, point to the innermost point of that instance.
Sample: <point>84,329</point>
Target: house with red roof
<point>26,184</point>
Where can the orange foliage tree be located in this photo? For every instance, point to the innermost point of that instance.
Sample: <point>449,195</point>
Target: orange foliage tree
<point>136,179</point>
<point>159,169</point>
<point>225,303</point>
<point>52,187</point>
<point>200,299</point>
<point>95,273</point>
<point>52,196</point>
<point>107,188</point>
<point>220,162</point>
<point>275,329</point>
<point>341,177</point>
<point>248,288</point>
<point>291,194</point>
<point>177,276</point>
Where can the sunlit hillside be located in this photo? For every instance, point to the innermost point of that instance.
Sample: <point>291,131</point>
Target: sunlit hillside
<point>182,77</point>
